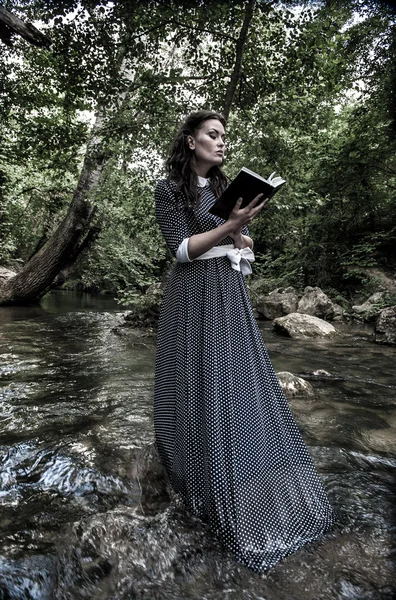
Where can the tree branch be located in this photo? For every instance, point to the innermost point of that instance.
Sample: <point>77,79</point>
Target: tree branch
<point>11,23</point>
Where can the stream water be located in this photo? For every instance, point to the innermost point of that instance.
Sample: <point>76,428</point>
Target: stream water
<point>85,511</point>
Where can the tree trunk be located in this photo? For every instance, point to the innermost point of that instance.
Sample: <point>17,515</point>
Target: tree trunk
<point>10,24</point>
<point>68,241</point>
<point>237,70</point>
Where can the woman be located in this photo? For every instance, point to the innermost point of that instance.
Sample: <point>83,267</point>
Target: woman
<point>223,427</point>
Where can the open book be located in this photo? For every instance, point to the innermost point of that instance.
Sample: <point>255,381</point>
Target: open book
<point>246,185</point>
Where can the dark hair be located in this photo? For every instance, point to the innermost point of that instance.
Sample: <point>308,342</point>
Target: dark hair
<point>180,161</point>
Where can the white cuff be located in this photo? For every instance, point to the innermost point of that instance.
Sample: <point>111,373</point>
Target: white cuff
<point>182,252</point>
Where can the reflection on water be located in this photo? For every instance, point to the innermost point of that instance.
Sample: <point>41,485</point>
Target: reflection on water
<point>85,510</point>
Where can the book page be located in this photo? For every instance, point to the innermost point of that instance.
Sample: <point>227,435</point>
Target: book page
<point>254,174</point>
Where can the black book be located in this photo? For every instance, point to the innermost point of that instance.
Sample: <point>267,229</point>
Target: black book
<point>246,185</point>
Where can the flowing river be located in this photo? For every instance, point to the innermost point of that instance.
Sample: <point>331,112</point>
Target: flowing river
<point>85,511</point>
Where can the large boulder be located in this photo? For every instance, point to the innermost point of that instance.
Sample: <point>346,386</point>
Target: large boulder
<point>298,326</point>
<point>281,301</point>
<point>385,327</point>
<point>294,386</point>
<point>370,309</point>
<point>315,302</point>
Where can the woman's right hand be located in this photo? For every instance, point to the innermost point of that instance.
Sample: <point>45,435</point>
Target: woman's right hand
<point>199,243</point>
<point>239,217</point>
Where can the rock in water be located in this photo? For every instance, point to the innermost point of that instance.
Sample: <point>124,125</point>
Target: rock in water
<point>281,301</point>
<point>385,328</point>
<point>315,302</point>
<point>293,386</point>
<point>297,326</point>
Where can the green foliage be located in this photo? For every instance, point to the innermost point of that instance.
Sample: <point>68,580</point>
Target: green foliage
<point>130,254</point>
<point>315,102</point>
<point>279,272</point>
<point>33,202</point>
<point>144,308</point>
<point>388,299</point>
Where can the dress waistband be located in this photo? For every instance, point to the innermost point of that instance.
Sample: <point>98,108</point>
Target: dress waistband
<point>240,258</point>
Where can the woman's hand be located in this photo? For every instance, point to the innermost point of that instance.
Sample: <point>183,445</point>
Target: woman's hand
<point>200,243</point>
<point>243,216</point>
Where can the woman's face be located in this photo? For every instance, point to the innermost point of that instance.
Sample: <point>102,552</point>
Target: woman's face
<point>208,144</point>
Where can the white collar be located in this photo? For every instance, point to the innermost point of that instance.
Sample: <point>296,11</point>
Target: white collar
<point>202,181</point>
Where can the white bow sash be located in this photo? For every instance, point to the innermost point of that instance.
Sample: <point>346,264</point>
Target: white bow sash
<point>240,258</point>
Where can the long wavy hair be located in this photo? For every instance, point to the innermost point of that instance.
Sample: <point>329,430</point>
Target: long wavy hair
<point>180,162</point>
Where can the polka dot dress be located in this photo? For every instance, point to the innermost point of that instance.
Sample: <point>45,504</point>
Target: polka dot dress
<point>223,426</point>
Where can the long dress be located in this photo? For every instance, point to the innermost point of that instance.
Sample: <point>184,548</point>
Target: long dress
<point>223,427</point>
